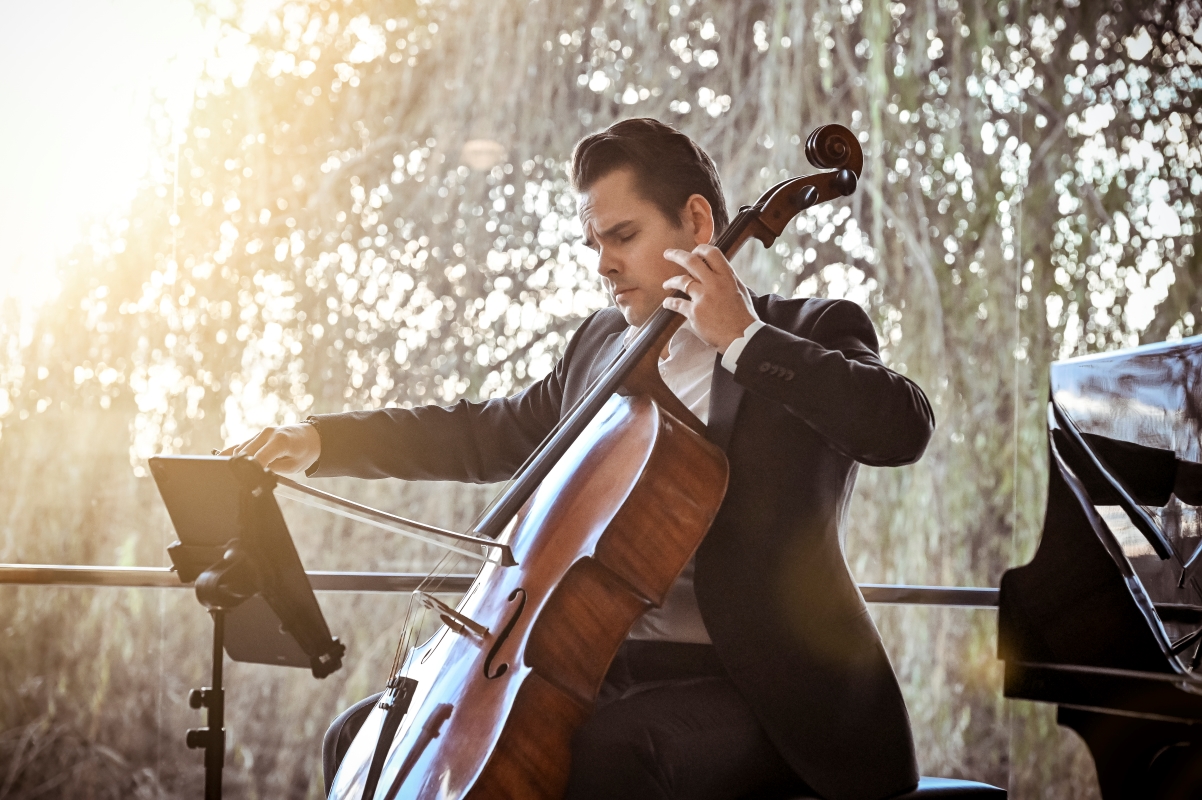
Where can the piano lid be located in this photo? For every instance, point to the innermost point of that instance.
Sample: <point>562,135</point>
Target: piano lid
<point>1150,395</point>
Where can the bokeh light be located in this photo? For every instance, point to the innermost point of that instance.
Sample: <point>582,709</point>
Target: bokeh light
<point>79,137</point>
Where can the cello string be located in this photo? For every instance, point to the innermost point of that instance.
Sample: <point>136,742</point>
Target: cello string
<point>559,425</point>
<point>437,573</point>
<point>432,581</point>
<point>411,627</point>
<point>402,651</point>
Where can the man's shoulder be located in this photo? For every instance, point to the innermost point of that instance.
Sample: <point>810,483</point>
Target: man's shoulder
<point>609,318</point>
<point>600,325</point>
<point>803,312</point>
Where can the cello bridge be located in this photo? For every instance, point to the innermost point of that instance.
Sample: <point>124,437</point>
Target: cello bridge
<point>460,623</point>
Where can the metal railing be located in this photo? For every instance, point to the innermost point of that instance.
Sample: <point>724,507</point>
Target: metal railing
<point>165,578</point>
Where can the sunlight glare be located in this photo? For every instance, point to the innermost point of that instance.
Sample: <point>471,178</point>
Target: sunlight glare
<point>80,80</point>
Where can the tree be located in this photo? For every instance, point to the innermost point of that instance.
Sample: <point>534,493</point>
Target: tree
<point>375,210</point>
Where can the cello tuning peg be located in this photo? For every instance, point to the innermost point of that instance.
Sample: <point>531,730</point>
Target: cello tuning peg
<point>805,197</point>
<point>845,182</point>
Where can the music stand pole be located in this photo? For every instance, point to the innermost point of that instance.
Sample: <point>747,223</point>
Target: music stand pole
<point>212,737</point>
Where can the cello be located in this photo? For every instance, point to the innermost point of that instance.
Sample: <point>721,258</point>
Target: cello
<point>592,531</point>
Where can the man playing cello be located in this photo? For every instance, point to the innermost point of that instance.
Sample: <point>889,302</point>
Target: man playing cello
<point>762,671</point>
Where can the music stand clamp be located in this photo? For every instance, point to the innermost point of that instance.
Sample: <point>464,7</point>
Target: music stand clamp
<point>208,499</point>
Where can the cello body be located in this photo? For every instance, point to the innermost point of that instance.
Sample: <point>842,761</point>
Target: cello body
<point>603,538</point>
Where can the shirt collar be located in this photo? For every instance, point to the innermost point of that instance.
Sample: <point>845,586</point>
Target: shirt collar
<point>685,339</point>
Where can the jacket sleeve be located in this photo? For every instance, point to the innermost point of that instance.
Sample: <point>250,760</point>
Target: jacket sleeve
<point>471,442</point>
<point>834,380</point>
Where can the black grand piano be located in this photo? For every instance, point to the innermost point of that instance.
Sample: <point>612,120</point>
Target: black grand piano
<point>1106,620</point>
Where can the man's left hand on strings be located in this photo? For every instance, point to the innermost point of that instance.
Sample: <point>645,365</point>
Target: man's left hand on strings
<point>719,304</point>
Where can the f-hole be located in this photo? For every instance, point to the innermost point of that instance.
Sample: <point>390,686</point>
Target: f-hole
<point>513,620</point>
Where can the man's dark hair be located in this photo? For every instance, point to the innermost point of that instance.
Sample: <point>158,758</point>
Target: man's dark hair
<point>669,167</point>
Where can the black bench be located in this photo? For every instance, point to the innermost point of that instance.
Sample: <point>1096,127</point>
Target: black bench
<point>933,789</point>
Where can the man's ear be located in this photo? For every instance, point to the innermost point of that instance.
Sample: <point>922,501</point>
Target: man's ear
<point>698,219</point>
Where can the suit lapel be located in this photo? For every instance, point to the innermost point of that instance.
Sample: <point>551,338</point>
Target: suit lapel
<point>725,396</point>
<point>726,393</point>
<point>605,355</point>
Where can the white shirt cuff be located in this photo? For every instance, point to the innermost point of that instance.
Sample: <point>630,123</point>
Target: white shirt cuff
<point>730,359</point>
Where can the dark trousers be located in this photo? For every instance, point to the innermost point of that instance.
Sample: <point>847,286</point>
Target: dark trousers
<point>668,724</point>
<point>341,733</point>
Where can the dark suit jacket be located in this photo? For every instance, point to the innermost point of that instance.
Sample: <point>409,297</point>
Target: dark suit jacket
<point>809,401</point>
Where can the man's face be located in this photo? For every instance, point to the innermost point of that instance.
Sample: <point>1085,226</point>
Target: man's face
<point>630,235</point>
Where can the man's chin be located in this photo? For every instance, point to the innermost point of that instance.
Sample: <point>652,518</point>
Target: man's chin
<point>635,313</point>
<point>634,317</point>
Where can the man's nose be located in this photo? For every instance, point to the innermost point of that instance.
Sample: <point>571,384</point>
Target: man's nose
<point>608,264</point>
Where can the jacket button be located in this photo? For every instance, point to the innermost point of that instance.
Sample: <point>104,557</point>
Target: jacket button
<point>765,366</point>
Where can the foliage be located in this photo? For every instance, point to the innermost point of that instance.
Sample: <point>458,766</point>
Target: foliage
<point>369,206</point>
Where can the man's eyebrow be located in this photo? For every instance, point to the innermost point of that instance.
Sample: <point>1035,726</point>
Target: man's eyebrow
<point>610,231</point>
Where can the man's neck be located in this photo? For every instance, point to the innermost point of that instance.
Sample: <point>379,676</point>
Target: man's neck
<point>685,330</point>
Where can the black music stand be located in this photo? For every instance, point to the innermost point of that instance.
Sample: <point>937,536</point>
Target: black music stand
<point>234,544</point>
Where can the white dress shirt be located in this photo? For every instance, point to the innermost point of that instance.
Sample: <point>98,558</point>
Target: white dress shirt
<point>688,371</point>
